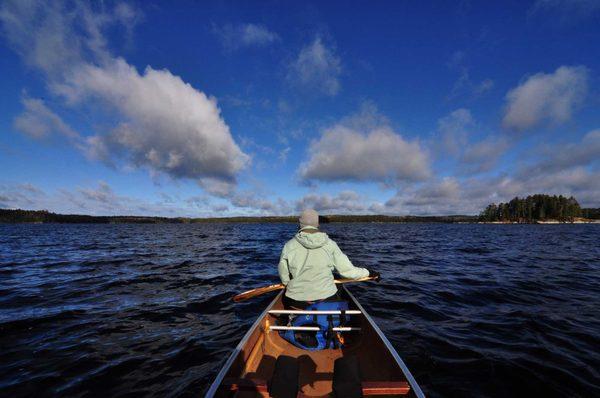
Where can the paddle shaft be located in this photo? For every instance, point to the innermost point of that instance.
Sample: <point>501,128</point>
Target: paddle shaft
<point>266,289</point>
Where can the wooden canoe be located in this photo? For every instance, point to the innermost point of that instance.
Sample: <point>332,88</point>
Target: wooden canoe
<point>250,366</point>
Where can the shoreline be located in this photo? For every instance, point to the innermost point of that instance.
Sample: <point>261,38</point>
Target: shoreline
<point>18,216</point>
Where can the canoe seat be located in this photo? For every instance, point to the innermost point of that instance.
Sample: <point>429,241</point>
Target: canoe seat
<point>348,383</point>
<point>284,382</point>
<point>347,377</point>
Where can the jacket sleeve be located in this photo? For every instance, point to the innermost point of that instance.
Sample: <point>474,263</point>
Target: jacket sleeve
<point>344,266</point>
<point>282,268</point>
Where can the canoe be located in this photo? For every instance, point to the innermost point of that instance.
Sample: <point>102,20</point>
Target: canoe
<point>248,370</point>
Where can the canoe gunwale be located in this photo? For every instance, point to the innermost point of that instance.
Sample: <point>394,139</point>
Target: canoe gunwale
<point>409,377</point>
<point>238,349</point>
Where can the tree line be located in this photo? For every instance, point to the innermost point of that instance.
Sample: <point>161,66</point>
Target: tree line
<point>44,216</point>
<point>532,208</point>
<point>537,207</point>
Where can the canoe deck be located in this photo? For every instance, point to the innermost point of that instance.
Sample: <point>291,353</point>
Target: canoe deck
<point>253,363</point>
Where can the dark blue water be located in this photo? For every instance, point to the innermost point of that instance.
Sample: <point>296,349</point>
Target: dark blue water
<point>145,310</point>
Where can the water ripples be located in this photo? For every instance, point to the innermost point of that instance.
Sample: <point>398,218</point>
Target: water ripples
<point>130,310</point>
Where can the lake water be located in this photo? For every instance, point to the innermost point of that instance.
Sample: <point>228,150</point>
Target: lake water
<point>145,310</point>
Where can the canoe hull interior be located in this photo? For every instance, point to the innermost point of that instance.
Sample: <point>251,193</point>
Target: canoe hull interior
<point>253,361</point>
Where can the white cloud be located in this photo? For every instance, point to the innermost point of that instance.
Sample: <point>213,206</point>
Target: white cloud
<point>234,37</point>
<point>343,203</point>
<point>98,200</point>
<point>435,197</point>
<point>51,36</point>
<point>569,155</point>
<point>31,189</point>
<point>579,182</point>
<point>217,187</point>
<point>40,34</point>
<point>102,194</point>
<point>163,123</point>
<point>103,200</point>
<point>454,130</point>
<point>5,201</point>
<point>168,125</point>
<point>447,189</point>
<point>24,195</point>
<point>563,170</point>
<point>283,154</point>
<point>127,15</point>
<point>545,97</point>
<point>482,156</point>
<point>563,157</point>
<point>567,10</point>
<point>259,204</point>
<point>587,5</point>
<point>251,200</point>
<point>483,87</point>
<point>317,68</point>
<point>356,150</point>
<point>452,196</point>
<point>464,85</point>
<point>38,121</point>
<point>567,169</point>
<point>201,201</point>
<point>219,209</point>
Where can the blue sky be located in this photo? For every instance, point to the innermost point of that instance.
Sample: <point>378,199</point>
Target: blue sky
<point>227,108</point>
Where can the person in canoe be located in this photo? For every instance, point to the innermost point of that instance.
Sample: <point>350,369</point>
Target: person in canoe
<point>307,262</point>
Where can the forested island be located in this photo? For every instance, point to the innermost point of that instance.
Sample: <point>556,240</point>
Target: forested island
<point>535,208</point>
<point>532,209</point>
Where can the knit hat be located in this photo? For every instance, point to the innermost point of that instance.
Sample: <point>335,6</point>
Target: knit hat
<point>309,218</point>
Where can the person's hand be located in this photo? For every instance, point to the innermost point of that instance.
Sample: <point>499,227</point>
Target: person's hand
<point>375,275</point>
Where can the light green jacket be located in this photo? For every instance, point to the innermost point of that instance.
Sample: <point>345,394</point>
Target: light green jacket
<point>306,266</point>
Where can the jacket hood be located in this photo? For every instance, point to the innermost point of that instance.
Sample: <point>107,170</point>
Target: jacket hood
<point>312,241</point>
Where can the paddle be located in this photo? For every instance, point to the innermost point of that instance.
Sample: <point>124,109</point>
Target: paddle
<point>262,290</point>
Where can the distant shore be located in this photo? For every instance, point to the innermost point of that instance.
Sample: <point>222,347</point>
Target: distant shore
<point>17,216</point>
<point>41,216</point>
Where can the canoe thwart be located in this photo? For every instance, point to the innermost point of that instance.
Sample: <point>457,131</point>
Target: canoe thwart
<point>313,328</point>
<point>315,312</point>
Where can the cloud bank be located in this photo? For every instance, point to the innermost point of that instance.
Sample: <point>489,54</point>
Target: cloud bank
<point>454,139</point>
<point>570,169</point>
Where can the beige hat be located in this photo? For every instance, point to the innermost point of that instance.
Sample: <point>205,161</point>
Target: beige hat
<point>309,218</point>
